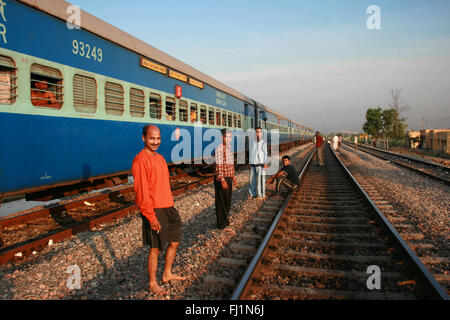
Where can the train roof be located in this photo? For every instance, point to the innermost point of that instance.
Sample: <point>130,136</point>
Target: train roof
<point>120,37</point>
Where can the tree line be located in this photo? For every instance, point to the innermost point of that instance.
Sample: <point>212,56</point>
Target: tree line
<point>387,123</point>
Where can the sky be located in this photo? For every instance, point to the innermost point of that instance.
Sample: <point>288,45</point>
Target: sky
<point>316,62</point>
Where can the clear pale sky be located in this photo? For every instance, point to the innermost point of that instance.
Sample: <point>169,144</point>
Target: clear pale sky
<point>314,61</point>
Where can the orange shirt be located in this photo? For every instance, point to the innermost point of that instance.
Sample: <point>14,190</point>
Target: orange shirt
<point>151,183</point>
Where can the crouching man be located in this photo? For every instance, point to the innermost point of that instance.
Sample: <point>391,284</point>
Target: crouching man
<point>287,176</point>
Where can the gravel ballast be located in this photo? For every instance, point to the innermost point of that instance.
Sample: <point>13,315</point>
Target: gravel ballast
<point>112,262</point>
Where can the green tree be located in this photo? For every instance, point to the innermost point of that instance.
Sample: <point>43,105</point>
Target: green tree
<point>388,118</point>
<point>374,124</point>
<point>399,125</point>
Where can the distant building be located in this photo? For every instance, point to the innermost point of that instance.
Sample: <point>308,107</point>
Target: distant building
<point>436,140</point>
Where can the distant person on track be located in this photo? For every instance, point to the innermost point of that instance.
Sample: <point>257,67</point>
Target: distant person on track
<point>355,140</point>
<point>335,142</point>
<point>340,141</point>
<point>161,223</point>
<point>287,176</point>
<point>258,164</point>
<point>224,179</point>
<point>319,149</point>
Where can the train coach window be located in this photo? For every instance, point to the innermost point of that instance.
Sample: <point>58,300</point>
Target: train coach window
<point>155,106</point>
<point>137,103</point>
<point>183,111</point>
<point>203,115</point>
<point>218,117</point>
<point>194,112</point>
<point>114,98</point>
<point>171,109</point>
<point>46,87</point>
<point>230,119</point>
<point>84,94</point>
<point>251,123</point>
<point>8,80</point>
<point>211,116</point>
<point>239,121</point>
<point>224,118</point>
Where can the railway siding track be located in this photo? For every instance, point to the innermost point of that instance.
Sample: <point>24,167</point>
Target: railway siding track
<point>426,168</point>
<point>29,233</point>
<point>323,241</point>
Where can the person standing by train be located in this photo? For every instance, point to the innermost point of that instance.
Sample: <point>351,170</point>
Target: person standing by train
<point>224,179</point>
<point>161,223</point>
<point>319,149</point>
<point>258,162</point>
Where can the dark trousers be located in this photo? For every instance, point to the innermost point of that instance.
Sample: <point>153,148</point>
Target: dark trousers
<point>223,202</point>
<point>284,181</point>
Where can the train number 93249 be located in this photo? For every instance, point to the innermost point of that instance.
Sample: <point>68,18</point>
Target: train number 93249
<point>85,50</point>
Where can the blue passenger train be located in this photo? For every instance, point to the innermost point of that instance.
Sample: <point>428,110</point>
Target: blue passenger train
<point>73,101</point>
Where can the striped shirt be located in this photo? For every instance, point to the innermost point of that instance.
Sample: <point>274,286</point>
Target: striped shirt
<point>224,162</point>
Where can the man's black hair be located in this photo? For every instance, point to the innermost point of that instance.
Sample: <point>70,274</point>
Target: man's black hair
<point>225,131</point>
<point>258,127</point>
<point>286,157</point>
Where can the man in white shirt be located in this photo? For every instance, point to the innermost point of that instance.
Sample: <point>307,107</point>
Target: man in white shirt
<point>258,162</point>
<point>335,141</point>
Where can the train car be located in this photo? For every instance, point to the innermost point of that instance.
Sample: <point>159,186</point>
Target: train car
<point>73,101</point>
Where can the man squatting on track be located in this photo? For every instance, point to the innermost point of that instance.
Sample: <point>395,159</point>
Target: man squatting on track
<point>161,223</point>
<point>287,176</point>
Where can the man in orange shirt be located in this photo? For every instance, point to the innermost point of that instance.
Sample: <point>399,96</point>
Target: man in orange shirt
<point>319,149</point>
<point>42,96</point>
<point>161,223</point>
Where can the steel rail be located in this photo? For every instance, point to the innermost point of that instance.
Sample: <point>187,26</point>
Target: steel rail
<point>421,161</point>
<point>373,151</point>
<point>38,243</point>
<point>424,275</point>
<point>422,271</point>
<point>243,284</point>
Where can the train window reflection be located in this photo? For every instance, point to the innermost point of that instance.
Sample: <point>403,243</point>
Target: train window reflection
<point>171,109</point>
<point>8,80</point>
<point>183,111</point>
<point>155,106</point>
<point>137,103</point>
<point>114,98</point>
<point>84,94</point>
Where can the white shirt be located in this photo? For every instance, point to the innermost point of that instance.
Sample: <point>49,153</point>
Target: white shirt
<point>335,142</point>
<point>258,152</point>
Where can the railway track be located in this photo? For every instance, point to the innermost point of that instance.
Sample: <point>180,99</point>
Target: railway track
<point>426,168</point>
<point>26,234</point>
<point>328,241</point>
<point>29,233</point>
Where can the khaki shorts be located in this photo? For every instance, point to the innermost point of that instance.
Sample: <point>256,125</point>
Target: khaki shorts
<point>170,222</point>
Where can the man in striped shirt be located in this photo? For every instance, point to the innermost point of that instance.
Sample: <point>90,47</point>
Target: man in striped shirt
<point>224,179</point>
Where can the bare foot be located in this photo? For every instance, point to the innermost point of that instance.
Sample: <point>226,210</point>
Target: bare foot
<point>158,290</point>
<point>172,277</point>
